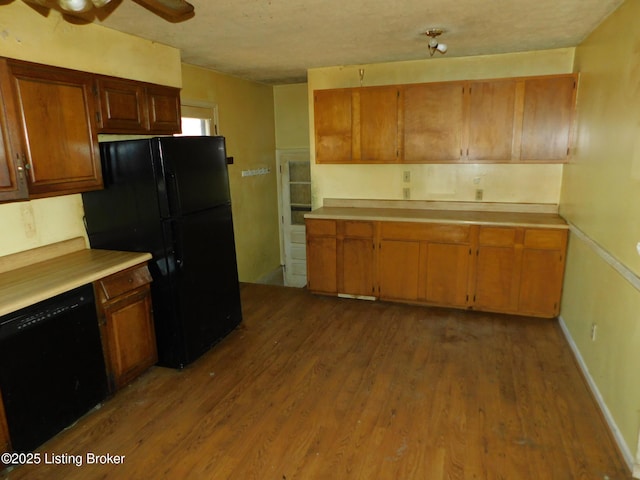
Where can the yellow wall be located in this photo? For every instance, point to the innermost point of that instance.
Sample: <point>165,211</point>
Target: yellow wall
<point>291,116</point>
<point>501,183</point>
<point>246,119</point>
<point>27,35</point>
<point>601,197</point>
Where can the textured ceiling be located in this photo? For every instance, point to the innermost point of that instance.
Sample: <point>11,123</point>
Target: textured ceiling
<point>276,41</point>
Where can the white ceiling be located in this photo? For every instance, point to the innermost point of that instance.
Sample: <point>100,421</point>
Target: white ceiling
<point>276,41</point>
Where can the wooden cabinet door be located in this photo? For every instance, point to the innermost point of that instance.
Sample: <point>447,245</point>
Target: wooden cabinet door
<point>399,269</point>
<point>122,106</point>
<point>375,125</point>
<point>13,184</point>
<point>321,264</point>
<point>547,122</point>
<point>447,274</point>
<point>357,259</point>
<point>322,256</point>
<point>130,336</point>
<point>543,260</point>
<point>163,105</point>
<point>496,269</point>
<point>5,443</point>
<point>433,119</point>
<point>58,120</point>
<point>333,125</point>
<point>491,120</point>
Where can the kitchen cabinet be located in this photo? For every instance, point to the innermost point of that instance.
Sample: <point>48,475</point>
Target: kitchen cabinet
<point>490,121</point>
<point>433,121</point>
<point>548,117</point>
<point>543,261</point>
<point>322,256</point>
<point>13,183</point>
<point>356,258</point>
<point>375,131</point>
<point>126,324</point>
<point>357,125</point>
<point>527,119</point>
<point>5,443</point>
<point>341,257</point>
<point>494,268</point>
<point>333,125</point>
<point>520,270</point>
<point>497,269</point>
<point>127,106</point>
<point>57,128</point>
<point>426,262</point>
<point>446,264</point>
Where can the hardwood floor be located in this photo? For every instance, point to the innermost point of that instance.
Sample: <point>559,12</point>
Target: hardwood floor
<point>313,387</point>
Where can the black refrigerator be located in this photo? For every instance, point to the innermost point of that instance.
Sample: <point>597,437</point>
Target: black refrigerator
<point>170,196</point>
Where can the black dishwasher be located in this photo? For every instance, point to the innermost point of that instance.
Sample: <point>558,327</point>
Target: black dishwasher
<point>52,368</point>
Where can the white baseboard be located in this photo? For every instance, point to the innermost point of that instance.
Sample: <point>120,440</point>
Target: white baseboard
<point>622,445</point>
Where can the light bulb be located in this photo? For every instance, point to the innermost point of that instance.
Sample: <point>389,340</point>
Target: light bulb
<point>442,47</point>
<point>99,3</point>
<point>75,5</point>
<point>433,43</point>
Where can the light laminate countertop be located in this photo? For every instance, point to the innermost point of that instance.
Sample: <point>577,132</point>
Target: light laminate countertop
<point>532,216</point>
<point>29,284</point>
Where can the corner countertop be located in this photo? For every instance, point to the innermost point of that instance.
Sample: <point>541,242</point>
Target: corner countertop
<point>513,215</point>
<point>43,276</point>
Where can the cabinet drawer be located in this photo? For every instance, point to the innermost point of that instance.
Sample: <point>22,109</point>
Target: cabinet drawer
<point>497,236</point>
<point>124,281</point>
<point>321,227</point>
<point>545,238</point>
<point>357,229</point>
<point>431,232</point>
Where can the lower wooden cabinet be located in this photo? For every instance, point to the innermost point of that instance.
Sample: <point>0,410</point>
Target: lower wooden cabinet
<point>5,443</point>
<point>489,268</point>
<point>341,257</point>
<point>126,324</point>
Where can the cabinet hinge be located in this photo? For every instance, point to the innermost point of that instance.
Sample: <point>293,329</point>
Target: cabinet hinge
<point>567,151</point>
<point>98,117</point>
<point>469,254</point>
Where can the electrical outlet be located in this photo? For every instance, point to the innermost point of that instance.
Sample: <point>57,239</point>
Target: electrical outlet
<point>406,176</point>
<point>594,329</point>
<point>479,194</point>
<point>406,193</point>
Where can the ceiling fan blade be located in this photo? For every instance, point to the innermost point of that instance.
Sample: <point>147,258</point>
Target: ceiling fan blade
<point>173,9</point>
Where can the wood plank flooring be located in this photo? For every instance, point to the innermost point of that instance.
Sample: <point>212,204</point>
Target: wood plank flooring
<point>312,387</point>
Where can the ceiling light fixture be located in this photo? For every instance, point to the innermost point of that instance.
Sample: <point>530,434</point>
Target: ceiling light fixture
<point>433,34</point>
<point>175,10</point>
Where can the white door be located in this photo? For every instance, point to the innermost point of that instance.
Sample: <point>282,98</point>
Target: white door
<point>295,201</point>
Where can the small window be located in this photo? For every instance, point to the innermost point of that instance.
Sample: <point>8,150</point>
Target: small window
<point>196,126</point>
<point>199,120</point>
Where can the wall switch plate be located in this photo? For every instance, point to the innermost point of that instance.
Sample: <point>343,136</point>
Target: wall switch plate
<point>406,193</point>
<point>479,194</point>
<point>406,176</point>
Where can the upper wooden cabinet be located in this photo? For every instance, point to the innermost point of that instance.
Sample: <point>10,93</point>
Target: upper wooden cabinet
<point>50,118</point>
<point>13,183</point>
<point>375,124</point>
<point>358,125</point>
<point>333,125</point>
<point>548,117</point>
<point>433,121</point>
<point>127,106</point>
<point>56,122</point>
<point>526,119</point>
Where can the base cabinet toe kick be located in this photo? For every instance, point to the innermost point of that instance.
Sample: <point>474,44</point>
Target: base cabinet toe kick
<point>495,268</point>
